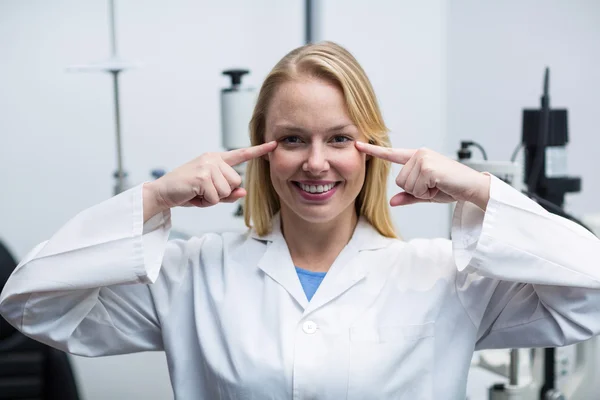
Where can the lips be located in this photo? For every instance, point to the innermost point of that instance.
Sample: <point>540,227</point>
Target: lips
<point>316,191</point>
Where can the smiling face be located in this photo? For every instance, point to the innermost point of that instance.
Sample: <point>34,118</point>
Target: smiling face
<point>316,170</point>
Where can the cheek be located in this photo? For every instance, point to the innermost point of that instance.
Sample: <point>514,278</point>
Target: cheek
<point>284,163</point>
<point>349,163</point>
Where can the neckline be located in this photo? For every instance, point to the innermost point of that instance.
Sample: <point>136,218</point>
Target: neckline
<point>307,272</point>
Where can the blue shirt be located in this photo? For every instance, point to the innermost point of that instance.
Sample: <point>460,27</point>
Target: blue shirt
<point>310,281</point>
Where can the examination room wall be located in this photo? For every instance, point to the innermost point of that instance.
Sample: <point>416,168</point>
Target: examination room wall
<point>59,145</point>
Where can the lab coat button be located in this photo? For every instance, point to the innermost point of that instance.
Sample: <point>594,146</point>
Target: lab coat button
<point>309,327</point>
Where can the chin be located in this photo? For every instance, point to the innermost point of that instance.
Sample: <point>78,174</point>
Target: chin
<point>316,218</point>
<point>317,214</point>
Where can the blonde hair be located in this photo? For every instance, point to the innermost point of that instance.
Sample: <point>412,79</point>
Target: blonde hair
<point>333,63</point>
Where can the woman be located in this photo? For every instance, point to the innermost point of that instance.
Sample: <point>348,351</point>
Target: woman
<point>235,313</point>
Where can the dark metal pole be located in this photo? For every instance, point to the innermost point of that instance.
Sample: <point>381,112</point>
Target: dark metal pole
<point>514,367</point>
<point>111,21</point>
<point>120,175</point>
<point>308,21</point>
<point>120,172</point>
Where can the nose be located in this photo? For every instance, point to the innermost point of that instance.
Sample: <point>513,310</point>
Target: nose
<point>316,162</point>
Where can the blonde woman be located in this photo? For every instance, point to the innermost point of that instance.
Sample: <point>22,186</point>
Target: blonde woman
<point>319,299</point>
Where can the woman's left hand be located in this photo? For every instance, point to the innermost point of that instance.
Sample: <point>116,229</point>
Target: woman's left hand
<point>428,176</point>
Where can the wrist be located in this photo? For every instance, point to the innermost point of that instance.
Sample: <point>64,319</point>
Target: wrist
<point>482,194</point>
<point>151,201</point>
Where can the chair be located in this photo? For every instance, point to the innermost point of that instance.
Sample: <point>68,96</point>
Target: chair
<point>29,369</point>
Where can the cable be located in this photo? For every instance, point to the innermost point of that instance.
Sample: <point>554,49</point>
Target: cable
<point>516,152</point>
<point>480,147</point>
<point>466,143</point>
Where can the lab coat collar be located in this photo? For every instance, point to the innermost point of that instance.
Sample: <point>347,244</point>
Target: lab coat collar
<point>347,270</point>
<point>365,236</point>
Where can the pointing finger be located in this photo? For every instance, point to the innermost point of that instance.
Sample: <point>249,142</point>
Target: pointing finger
<point>398,156</point>
<point>238,156</point>
<point>405,199</point>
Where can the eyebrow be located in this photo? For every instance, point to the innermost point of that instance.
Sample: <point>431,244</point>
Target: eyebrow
<point>298,129</point>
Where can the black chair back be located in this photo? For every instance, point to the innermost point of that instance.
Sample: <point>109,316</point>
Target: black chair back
<point>29,369</point>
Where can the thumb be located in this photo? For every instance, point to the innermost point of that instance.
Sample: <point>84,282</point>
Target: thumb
<point>235,195</point>
<point>405,199</point>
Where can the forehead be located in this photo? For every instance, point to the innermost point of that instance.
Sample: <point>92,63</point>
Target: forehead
<point>310,103</point>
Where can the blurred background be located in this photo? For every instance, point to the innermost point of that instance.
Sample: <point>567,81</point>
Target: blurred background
<point>444,71</point>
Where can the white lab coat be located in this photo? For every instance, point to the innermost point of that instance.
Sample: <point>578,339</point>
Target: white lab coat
<point>391,320</point>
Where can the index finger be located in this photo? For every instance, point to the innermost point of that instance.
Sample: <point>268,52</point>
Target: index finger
<point>238,156</point>
<point>398,156</point>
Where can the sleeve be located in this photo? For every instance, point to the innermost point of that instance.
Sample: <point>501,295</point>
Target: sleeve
<point>85,291</point>
<point>526,277</point>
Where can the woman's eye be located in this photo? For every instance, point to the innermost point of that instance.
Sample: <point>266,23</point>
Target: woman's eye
<point>291,140</point>
<point>341,139</point>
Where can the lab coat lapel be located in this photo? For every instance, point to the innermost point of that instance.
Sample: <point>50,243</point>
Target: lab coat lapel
<point>277,263</point>
<point>347,270</point>
<point>350,267</point>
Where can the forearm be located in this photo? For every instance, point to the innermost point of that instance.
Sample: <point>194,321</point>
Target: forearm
<point>516,240</point>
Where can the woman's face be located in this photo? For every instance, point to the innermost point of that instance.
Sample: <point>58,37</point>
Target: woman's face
<point>316,170</point>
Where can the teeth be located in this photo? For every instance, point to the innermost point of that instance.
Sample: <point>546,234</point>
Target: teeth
<point>317,188</point>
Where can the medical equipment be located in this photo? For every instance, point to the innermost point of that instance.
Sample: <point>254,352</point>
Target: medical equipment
<point>545,180</point>
<point>114,65</point>
<point>237,105</point>
<point>545,136</point>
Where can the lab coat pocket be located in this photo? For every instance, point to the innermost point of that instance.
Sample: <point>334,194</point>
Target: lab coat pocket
<point>391,362</point>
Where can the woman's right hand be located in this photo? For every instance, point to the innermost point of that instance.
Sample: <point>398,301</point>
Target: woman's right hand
<point>202,182</point>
